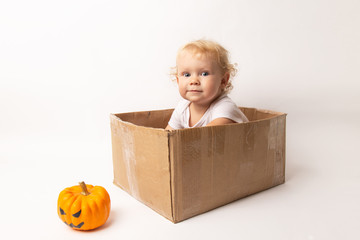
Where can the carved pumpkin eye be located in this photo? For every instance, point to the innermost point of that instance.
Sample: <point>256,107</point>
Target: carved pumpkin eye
<point>62,212</point>
<point>77,214</point>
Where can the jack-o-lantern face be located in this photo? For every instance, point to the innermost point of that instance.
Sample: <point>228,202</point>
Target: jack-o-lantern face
<point>75,215</point>
<point>84,207</point>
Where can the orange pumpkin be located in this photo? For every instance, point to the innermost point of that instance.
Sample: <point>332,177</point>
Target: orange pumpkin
<point>84,207</point>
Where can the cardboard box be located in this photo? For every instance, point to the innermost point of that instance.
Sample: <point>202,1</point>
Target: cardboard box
<point>182,173</point>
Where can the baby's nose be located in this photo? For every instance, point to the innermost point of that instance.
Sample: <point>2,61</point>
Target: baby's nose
<point>194,80</point>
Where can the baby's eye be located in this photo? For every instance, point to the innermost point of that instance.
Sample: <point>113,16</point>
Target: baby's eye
<point>186,74</point>
<point>204,74</point>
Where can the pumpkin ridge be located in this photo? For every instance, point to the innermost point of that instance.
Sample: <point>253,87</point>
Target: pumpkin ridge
<point>88,213</point>
<point>105,199</point>
<point>96,211</point>
<point>75,207</point>
<point>103,194</point>
<point>67,208</point>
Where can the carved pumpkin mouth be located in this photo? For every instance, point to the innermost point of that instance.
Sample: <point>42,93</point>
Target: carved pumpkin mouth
<point>75,226</point>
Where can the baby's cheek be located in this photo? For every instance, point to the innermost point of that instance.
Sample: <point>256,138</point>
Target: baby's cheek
<point>182,88</point>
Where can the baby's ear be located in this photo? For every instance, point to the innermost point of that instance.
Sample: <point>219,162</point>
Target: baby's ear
<point>225,79</point>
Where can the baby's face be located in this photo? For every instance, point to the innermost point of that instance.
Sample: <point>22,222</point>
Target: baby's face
<point>200,79</point>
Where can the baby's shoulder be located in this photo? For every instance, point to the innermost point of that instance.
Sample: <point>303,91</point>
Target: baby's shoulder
<point>224,102</point>
<point>182,105</point>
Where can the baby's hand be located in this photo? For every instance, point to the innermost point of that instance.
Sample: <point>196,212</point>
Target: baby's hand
<point>168,128</point>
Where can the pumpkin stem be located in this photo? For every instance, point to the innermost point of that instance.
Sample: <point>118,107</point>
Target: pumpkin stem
<point>84,192</point>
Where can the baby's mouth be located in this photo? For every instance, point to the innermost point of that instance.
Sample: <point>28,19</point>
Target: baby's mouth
<point>194,91</point>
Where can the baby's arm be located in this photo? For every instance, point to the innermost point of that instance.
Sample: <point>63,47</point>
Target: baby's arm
<point>220,121</point>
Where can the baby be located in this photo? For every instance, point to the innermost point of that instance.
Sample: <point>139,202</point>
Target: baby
<point>203,74</point>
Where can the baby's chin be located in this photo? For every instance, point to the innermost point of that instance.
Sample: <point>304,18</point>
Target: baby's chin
<point>200,101</point>
<point>193,97</point>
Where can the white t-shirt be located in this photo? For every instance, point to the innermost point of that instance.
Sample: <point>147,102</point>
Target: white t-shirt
<point>223,107</point>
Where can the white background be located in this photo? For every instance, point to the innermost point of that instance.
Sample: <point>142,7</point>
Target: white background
<point>66,65</point>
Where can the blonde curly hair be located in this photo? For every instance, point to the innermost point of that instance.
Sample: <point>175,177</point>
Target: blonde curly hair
<point>210,49</point>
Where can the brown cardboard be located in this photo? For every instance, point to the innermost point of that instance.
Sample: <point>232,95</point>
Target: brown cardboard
<point>182,173</point>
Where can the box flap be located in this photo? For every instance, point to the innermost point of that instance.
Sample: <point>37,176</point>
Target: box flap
<point>141,164</point>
